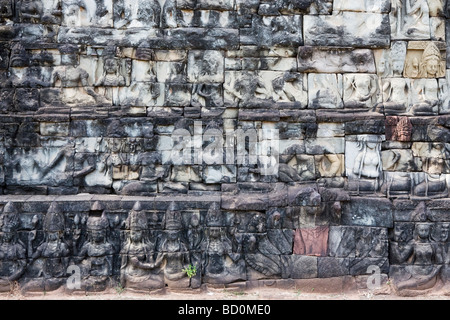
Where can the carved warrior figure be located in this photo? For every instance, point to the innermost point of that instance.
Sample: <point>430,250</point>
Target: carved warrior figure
<point>75,86</point>
<point>12,250</point>
<point>140,266</point>
<point>52,253</point>
<point>96,254</point>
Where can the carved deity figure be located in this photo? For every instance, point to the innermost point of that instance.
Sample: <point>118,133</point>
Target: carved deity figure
<point>96,254</point>
<point>325,91</point>
<point>140,266</point>
<point>12,251</point>
<point>53,253</point>
<point>410,19</point>
<point>31,10</point>
<point>417,18</point>
<point>422,272</point>
<point>220,263</point>
<point>247,89</point>
<point>75,86</point>
<point>289,87</point>
<point>425,97</point>
<point>175,250</point>
<point>396,95</point>
<point>360,91</point>
<point>137,14</point>
<point>431,64</point>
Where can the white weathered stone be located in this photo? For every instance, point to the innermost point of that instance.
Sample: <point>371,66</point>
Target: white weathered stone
<point>325,91</point>
<point>380,6</point>
<point>335,60</point>
<point>410,20</point>
<point>361,91</point>
<point>206,66</point>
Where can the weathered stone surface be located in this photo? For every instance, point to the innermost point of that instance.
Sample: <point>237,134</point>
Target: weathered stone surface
<point>335,60</point>
<point>347,29</point>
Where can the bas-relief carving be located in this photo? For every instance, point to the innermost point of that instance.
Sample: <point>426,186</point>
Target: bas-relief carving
<point>425,60</point>
<point>50,259</point>
<point>410,19</point>
<point>360,91</point>
<point>95,256</point>
<point>409,81</point>
<point>363,163</point>
<point>13,258</point>
<point>94,13</point>
<point>325,91</point>
<point>390,62</point>
<point>264,88</point>
<point>140,260</point>
<point>418,256</point>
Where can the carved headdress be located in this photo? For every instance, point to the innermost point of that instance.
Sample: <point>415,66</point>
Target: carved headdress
<point>137,218</point>
<point>97,217</point>
<point>431,51</point>
<point>9,220</point>
<point>173,218</point>
<point>214,217</point>
<point>54,219</point>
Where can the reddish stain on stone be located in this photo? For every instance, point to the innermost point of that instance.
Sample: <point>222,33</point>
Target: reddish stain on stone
<point>311,241</point>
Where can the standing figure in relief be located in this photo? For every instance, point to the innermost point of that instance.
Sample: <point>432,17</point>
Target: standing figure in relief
<point>220,263</point>
<point>367,165</point>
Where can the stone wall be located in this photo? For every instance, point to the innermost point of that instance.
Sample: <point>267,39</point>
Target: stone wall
<point>253,139</point>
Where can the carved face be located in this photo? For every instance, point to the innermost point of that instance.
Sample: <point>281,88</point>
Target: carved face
<point>397,67</point>
<point>444,231</point>
<point>423,231</point>
<point>6,236</point>
<point>98,235</point>
<point>173,235</point>
<point>136,235</point>
<point>111,66</point>
<point>53,236</point>
<point>214,232</point>
<point>432,67</point>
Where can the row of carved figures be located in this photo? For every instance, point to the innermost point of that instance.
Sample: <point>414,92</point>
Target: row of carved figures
<point>147,258</point>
